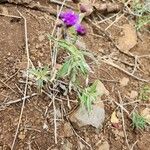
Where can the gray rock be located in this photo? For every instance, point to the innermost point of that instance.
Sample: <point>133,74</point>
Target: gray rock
<point>81,117</point>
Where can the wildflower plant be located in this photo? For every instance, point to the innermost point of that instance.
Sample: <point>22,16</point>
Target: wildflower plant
<point>75,64</point>
<point>40,75</point>
<point>145,93</point>
<point>69,18</point>
<point>89,95</point>
<point>72,19</point>
<point>138,121</point>
<point>141,11</point>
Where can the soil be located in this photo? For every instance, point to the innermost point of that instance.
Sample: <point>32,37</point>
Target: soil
<point>37,129</point>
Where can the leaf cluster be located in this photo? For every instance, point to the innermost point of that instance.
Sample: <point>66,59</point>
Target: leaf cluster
<point>138,121</point>
<point>40,75</point>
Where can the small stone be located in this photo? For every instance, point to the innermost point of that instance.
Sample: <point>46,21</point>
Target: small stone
<point>45,126</point>
<point>41,38</point>
<point>129,38</point>
<point>133,94</point>
<point>67,130</point>
<point>124,81</point>
<point>101,89</point>
<point>104,146</point>
<point>81,117</point>
<point>146,114</point>
<point>21,136</point>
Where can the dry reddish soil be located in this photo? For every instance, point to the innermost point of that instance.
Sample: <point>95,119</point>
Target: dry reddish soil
<point>37,130</point>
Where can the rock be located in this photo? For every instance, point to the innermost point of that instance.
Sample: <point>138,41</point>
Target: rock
<point>101,90</point>
<point>67,130</point>
<point>129,38</point>
<point>133,94</point>
<point>45,126</point>
<point>81,117</point>
<point>124,81</point>
<point>146,114</point>
<point>104,146</point>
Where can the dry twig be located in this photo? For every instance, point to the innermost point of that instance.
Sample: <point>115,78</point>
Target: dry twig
<point>26,85</point>
<point>123,121</point>
<point>126,72</point>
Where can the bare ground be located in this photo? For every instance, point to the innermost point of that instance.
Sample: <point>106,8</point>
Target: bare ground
<point>37,129</point>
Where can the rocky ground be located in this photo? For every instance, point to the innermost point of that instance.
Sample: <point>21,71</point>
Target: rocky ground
<point>123,67</point>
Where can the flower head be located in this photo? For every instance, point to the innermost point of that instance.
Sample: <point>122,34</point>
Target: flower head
<point>81,30</point>
<point>69,18</point>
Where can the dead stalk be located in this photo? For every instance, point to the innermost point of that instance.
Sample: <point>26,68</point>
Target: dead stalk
<point>123,121</point>
<point>26,85</point>
<point>126,72</point>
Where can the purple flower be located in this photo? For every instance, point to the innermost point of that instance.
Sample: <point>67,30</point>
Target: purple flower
<point>69,18</point>
<point>81,30</point>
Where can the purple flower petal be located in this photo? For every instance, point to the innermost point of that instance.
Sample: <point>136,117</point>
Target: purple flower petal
<point>81,30</point>
<point>69,18</point>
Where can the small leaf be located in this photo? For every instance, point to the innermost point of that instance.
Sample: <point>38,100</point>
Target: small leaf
<point>64,71</point>
<point>114,118</point>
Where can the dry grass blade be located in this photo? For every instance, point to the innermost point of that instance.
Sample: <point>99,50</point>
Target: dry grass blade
<point>126,72</point>
<point>123,121</point>
<point>26,85</point>
<point>18,100</point>
<point>11,16</point>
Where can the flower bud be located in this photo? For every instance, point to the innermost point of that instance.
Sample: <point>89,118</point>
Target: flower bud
<point>81,30</point>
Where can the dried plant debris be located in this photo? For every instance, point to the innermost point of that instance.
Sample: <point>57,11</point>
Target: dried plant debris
<point>106,8</point>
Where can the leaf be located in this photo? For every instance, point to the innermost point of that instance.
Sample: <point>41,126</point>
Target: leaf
<point>114,119</point>
<point>138,121</point>
<point>65,70</point>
